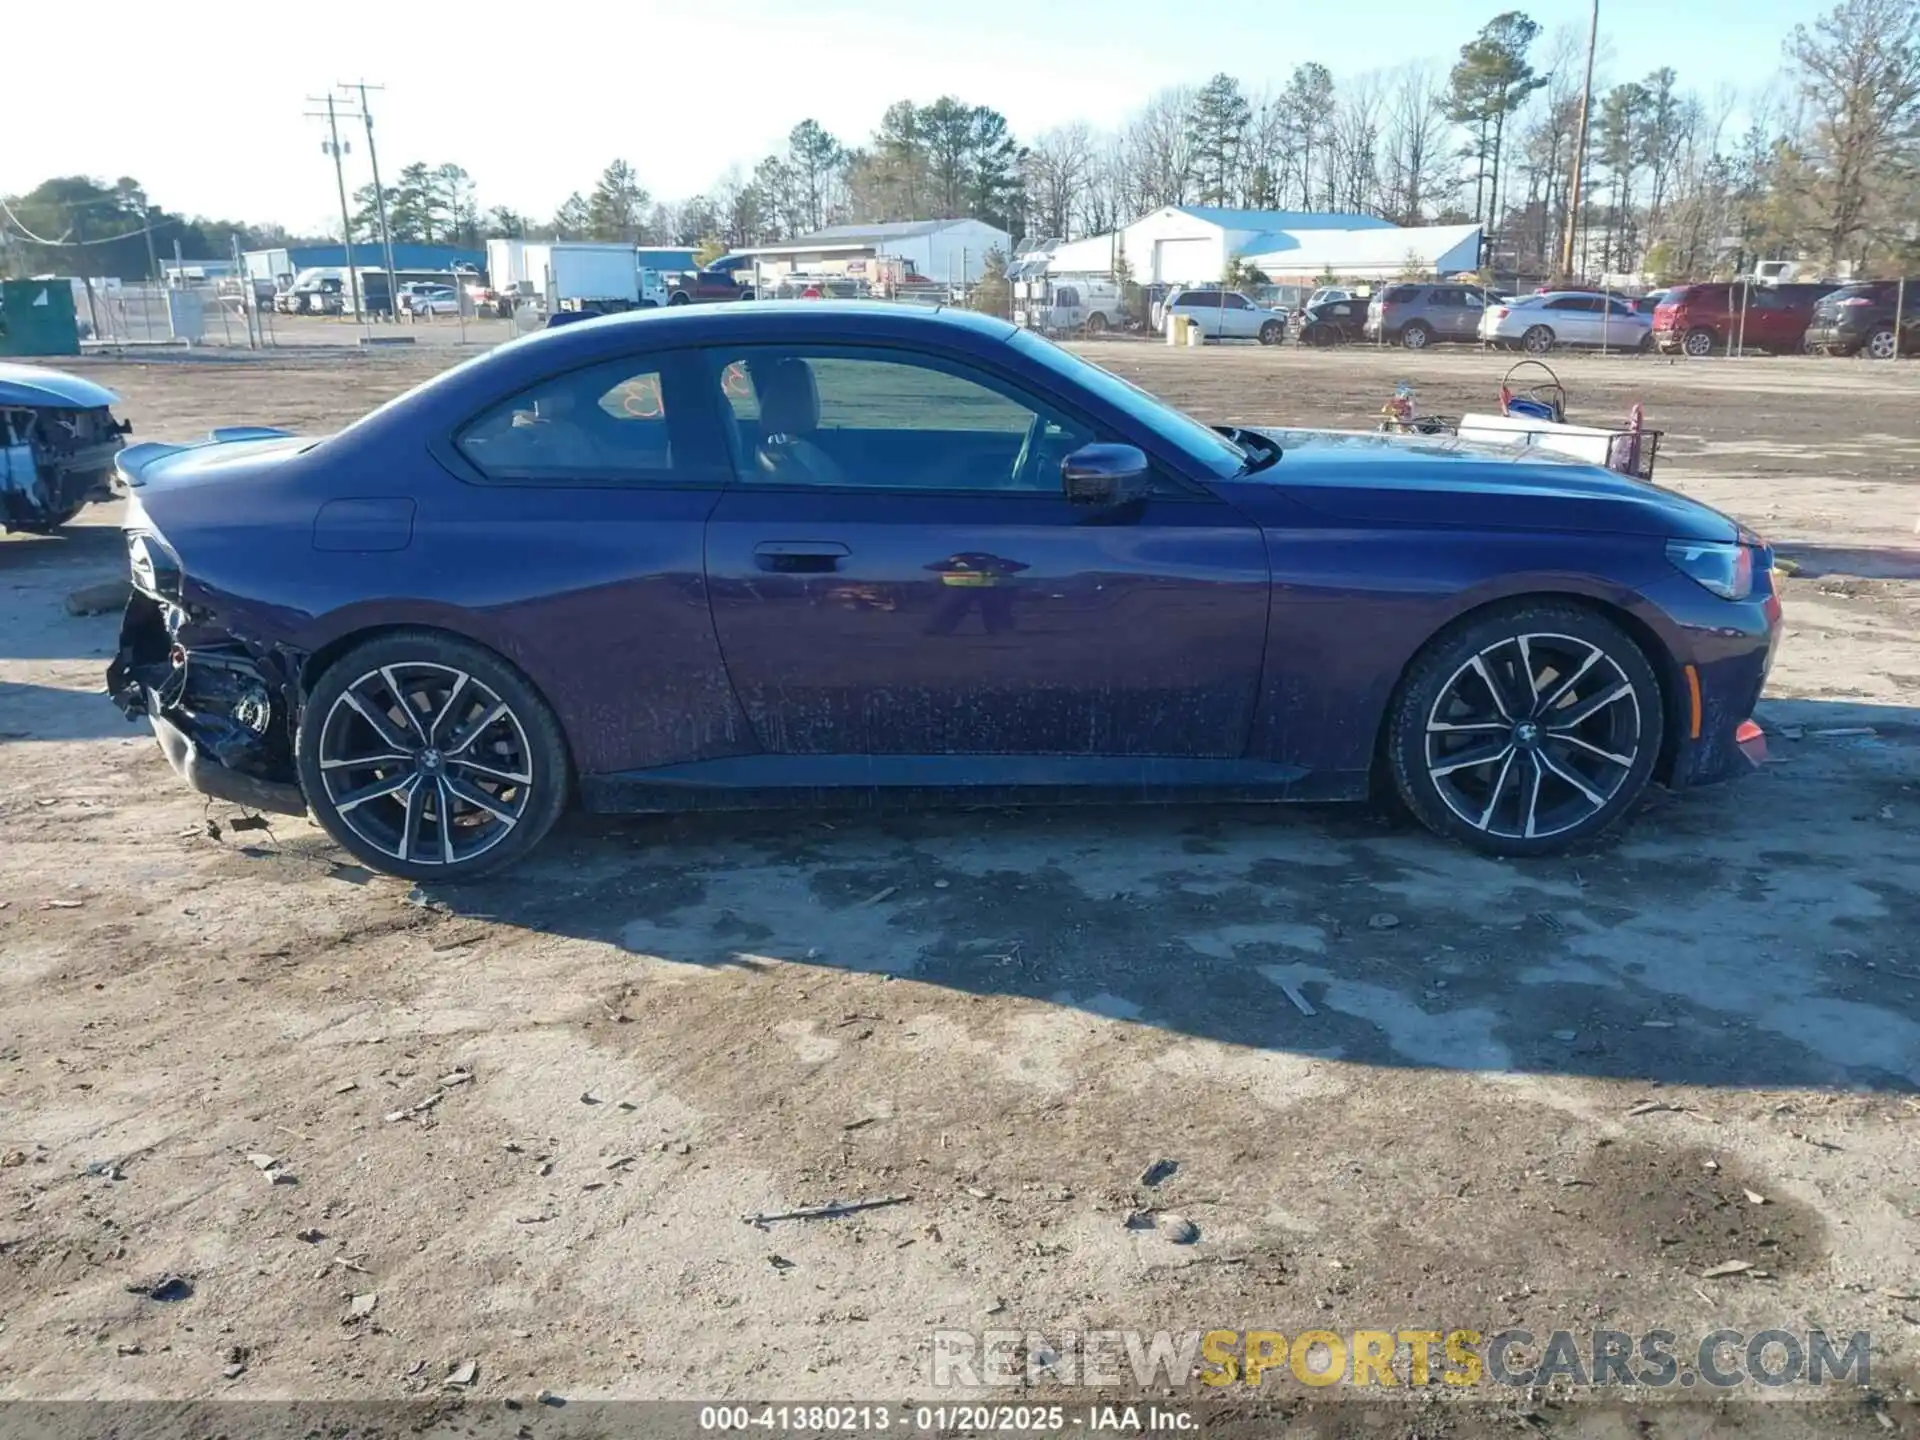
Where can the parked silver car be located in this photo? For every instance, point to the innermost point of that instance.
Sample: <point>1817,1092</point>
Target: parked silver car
<point>1569,318</point>
<point>1226,315</point>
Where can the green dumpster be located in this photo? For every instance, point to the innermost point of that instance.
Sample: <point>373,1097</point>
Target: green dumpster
<point>37,318</point>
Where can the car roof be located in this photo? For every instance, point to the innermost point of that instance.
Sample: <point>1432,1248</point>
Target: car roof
<point>698,324</point>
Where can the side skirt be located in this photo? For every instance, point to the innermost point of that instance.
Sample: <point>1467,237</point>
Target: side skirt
<point>805,782</point>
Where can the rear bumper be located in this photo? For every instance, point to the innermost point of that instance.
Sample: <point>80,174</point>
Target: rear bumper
<point>211,778</point>
<point>219,714</point>
<point>1839,339</point>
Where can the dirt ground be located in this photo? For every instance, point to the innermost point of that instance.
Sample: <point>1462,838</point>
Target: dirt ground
<point>529,1117</point>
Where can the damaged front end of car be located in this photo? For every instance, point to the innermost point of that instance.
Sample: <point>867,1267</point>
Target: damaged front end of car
<point>58,441</point>
<point>220,707</point>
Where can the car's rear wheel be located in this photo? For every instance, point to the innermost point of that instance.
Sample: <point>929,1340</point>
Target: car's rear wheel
<point>1645,347</point>
<point>1537,341</point>
<point>1096,323</point>
<point>1272,332</point>
<point>1529,729</point>
<point>1881,344</point>
<point>1415,335</point>
<point>430,757</point>
<point>1698,344</point>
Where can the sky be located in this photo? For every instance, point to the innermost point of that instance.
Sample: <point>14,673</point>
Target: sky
<point>535,99</point>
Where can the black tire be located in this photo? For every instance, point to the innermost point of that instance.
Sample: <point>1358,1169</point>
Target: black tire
<point>1517,781</point>
<point>1881,344</point>
<point>1698,343</point>
<point>679,297</point>
<point>1415,335</point>
<point>536,743</point>
<point>1645,347</point>
<point>1538,340</point>
<point>1096,323</point>
<point>1272,332</point>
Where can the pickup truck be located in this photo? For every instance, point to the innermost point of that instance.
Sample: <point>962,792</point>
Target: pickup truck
<point>702,287</point>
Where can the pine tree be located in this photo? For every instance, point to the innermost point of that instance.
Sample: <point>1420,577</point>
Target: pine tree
<point>619,201</point>
<point>1218,126</point>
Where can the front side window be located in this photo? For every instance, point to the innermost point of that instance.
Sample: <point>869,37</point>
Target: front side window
<point>1237,301</point>
<point>606,424</point>
<point>868,419</point>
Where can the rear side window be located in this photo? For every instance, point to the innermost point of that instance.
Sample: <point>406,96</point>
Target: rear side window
<point>606,424</point>
<point>1401,294</point>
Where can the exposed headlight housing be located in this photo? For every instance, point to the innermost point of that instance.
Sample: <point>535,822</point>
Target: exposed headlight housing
<point>1725,569</point>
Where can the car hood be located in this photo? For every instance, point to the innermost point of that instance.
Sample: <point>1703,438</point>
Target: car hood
<point>1373,479</point>
<point>33,386</point>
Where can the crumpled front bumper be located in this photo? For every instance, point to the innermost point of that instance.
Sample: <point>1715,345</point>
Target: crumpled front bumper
<point>219,713</point>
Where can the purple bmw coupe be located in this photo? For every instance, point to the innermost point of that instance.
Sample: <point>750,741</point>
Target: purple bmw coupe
<point>754,555</point>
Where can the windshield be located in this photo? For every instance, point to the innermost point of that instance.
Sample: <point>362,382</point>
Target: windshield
<point>1211,448</point>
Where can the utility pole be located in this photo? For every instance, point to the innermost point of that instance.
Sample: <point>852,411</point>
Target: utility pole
<point>1580,149</point>
<point>379,196</point>
<point>333,147</point>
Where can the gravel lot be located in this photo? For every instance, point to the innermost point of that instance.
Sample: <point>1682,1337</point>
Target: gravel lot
<point>1004,1016</point>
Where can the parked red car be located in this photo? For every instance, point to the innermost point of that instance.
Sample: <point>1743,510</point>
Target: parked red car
<point>1703,319</point>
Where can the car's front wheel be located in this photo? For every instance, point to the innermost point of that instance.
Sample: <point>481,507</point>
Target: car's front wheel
<point>430,758</point>
<point>1882,344</point>
<point>1272,332</point>
<point>1529,729</point>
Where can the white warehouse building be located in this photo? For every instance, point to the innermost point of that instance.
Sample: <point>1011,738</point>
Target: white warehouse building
<point>1192,244</point>
<point>951,251</point>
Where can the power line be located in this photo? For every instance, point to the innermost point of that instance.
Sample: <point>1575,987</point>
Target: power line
<point>34,239</point>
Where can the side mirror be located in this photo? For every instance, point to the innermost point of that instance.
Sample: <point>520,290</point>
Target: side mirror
<point>1103,474</point>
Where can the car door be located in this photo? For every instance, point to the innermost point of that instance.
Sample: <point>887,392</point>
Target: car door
<point>580,536</point>
<point>1575,319</point>
<point>897,571</point>
<point>1625,326</point>
<point>1469,307</point>
<point>1239,320</point>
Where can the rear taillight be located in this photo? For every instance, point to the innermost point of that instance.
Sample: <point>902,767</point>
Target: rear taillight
<point>1857,300</point>
<point>1500,312</point>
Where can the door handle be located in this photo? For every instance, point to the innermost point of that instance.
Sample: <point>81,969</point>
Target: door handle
<point>799,557</point>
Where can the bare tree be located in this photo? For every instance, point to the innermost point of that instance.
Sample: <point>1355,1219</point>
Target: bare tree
<point>1858,69</point>
<point>1107,201</point>
<point>1058,170</point>
<point>1162,149</point>
<point>1354,132</point>
<point>1419,171</point>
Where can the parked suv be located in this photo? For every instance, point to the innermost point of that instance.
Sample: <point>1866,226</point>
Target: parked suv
<point>1227,315</point>
<point>1417,315</point>
<point>1701,319</point>
<point>1860,319</point>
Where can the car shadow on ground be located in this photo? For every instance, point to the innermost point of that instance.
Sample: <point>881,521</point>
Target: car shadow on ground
<point>1863,562</point>
<point>1755,935</point>
<point>47,712</point>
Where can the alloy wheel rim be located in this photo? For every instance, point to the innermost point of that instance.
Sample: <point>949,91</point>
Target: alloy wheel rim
<point>1699,344</point>
<point>1416,338</point>
<point>1533,736</point>
<point>425,763</point>
<point>1882,346</point>
<point>1536,341</point>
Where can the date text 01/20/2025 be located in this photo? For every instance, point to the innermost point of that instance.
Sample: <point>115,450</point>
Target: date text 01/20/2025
<point>946,1419</point>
